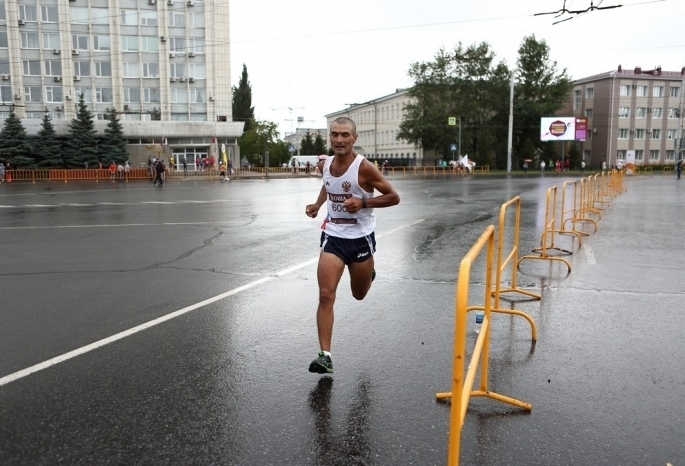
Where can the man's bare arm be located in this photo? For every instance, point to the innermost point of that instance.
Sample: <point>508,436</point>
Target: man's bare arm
<point>312,210</point>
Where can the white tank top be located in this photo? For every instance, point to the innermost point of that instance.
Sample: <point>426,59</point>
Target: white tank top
<point>339,222</point>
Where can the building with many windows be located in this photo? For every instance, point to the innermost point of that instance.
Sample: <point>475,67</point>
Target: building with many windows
<point>378,123</point>
<point>640,110</point>
<point>164,65</point>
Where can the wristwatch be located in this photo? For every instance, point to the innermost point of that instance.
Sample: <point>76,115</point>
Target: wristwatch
<point>363,202</point>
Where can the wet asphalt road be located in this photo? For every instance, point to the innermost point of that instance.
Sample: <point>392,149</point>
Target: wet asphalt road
<point>227,383</point>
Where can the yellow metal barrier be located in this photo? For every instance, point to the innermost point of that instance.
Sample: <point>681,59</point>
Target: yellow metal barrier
<point>666,170</point>
<point>568,212</point>
<point>579,207</point>
<point>462,387</point>
<point>550,211</point>
<point>649,170</point>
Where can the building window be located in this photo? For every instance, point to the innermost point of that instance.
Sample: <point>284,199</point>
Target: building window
<point>196,19</point>
<point>177,70</point>
<point>177,44</point>
<point>196,45</point>
<point>623,133</point>
<point>639,154</point>
<point>129,43</point>
<point>131,69</point>
<point>654,155</point>
<point>197,70</point>
<point>3,40</point>
<point>675,91</point>
<point>656,134</point>
<point>641,91</point>
<point>53,68</point>
<point>198,96</point>
<point>101,43</point>
<point>28,13</point>
<point>33,94</point>
<point>148,18</point>
<point>129,18</point>
<point>131,95</point>
<point>640,133</point>
<point>577,101</point>
<point>177,19</point>
<point>87,93</point>
<point>29,40</point>
<point>658,91</point>
<point>82,68</point>
<point>103,94</point>
<point>620,155</point>
<point>586,155</point>
<point>150,70</point>
<point>670,155</point>
<point>103,69</point>
<point>671,134</point>
<point>79,15</point>
<point>51,41</point>
<point>179,117</point>
<point>151,95</point>
<point>5,67</point>
<point>31,67</point>
<point>49,14</point>
<point>100,15</point>
<point>673,113</point>
<point>53,94</point>
<point>623,112</point>
<point>624,91</point>
<point>641,112</point>
<point>657,113</point>
<point>179,96</point>
<point>198,117</point>
<point>588,113</point>
<point>79,42</point>
<point>149,44</point>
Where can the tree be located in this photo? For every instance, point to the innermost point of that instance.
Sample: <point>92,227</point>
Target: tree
<point>573,155</point>
<point>47,146</point>
<point>254,143</point>
<point>242,101</point>
<point>82,138</point>
<point>462,83</point>
<point>14,146</point>
<point>541,90</point>
<point>307,145</point>
<point>114,144</point>
<point>319,145</point>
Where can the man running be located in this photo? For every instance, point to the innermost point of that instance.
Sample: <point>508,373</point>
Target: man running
<point>348,239</point>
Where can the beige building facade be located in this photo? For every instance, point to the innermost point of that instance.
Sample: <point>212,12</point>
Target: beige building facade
<point>378,124</point>
<point>164,65</point>
<point>640,110</point>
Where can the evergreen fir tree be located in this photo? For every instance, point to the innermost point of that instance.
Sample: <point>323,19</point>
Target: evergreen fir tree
<point>307,145</point>
<point>114,143</point>
<point>242,101</point>
<point>82,138</point>
<point>14,147</point>
<point>319,145</point>
<point>47,146</point>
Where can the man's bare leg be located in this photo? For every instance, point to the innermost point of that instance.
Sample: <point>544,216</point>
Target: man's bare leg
<point>330,270</point>
<point>360,277</point>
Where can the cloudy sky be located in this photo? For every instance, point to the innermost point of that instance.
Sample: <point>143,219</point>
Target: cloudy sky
<point>315,56</point>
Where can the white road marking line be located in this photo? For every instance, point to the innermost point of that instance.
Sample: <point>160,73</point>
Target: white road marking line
<point>118,225</point>
<point>66,204</point>
<point>589,254</point>
<point>106,341</point>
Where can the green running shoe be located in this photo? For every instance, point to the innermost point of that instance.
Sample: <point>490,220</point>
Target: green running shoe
<point>322,364</point>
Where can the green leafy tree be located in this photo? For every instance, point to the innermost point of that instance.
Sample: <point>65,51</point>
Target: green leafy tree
<point>242,101</point>
<point>541,90</point>
<point>307,145</point>
<point>279,153</point>
<point>14,146</point>
<point>463,83</point>
<point>113,145</point>
<point>254,143</point>
<point>47,146</point>
<point>82,138</point>
<point>319,145</point>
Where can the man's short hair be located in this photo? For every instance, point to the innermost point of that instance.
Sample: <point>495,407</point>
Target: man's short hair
<point>346,121</point>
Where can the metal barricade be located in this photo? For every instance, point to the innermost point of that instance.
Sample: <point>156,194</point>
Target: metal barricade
<point>462,386</point>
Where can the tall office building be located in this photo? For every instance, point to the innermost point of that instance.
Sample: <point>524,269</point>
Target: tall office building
<point>164,65</point>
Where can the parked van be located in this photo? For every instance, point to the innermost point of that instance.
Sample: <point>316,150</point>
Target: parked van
<point>301,161</point>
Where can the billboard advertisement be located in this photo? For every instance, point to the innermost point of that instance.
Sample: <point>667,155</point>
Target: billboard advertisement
<point>563,129</point>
